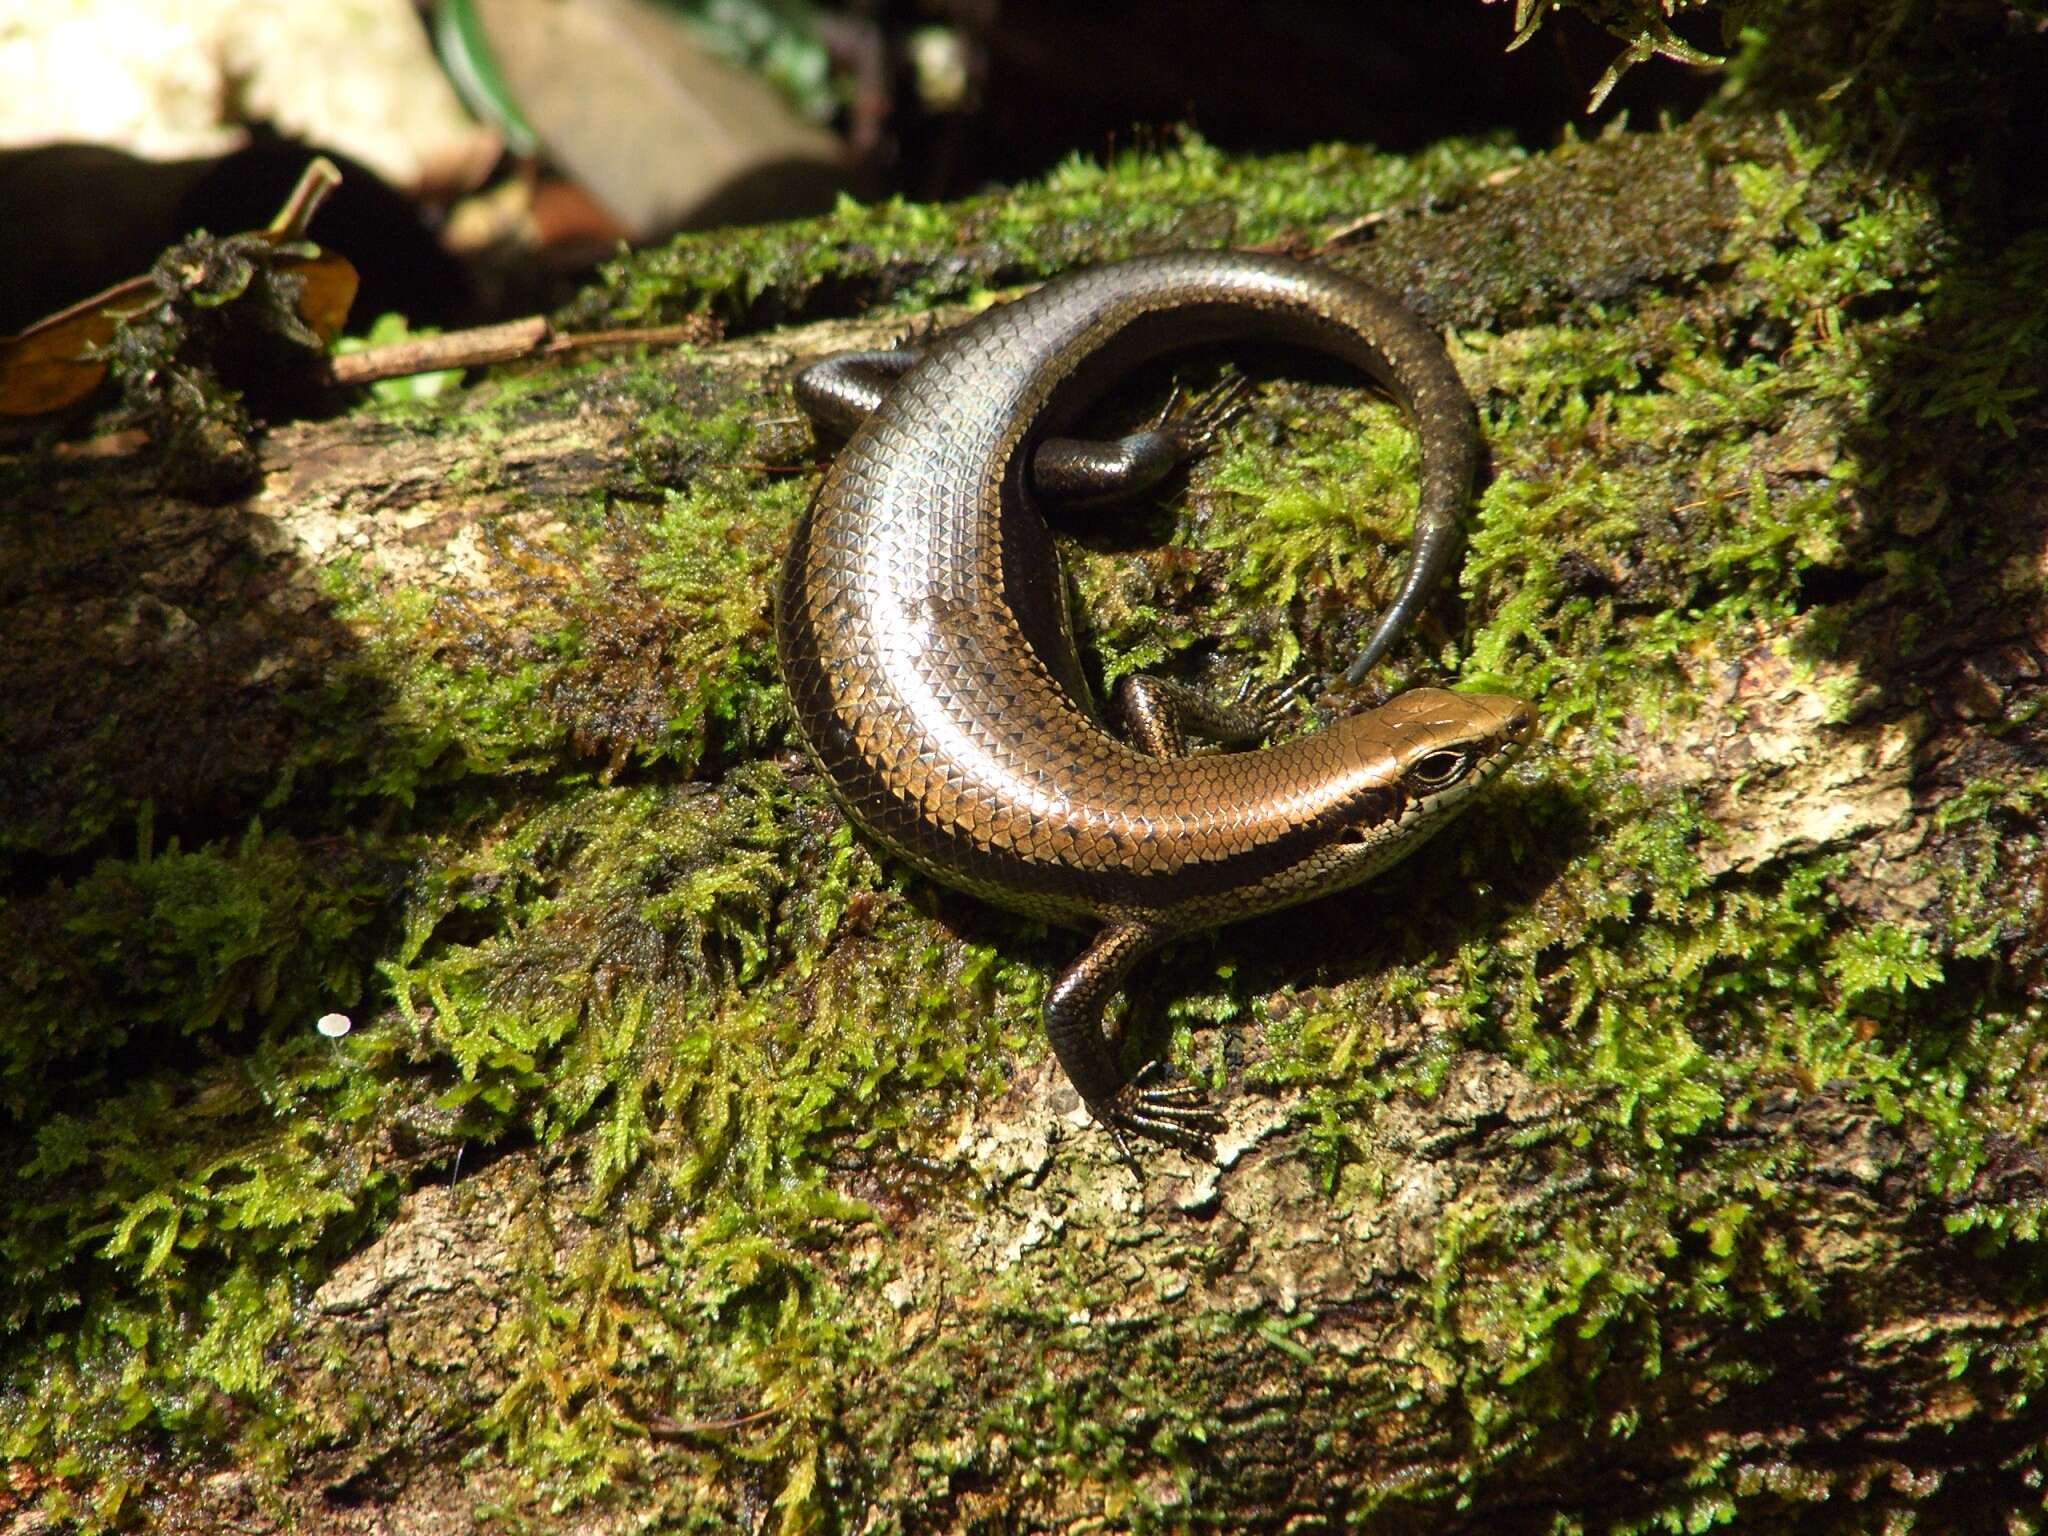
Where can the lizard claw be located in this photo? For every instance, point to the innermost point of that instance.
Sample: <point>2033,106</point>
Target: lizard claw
<point>1179,1117</point>
<point>1168,411</point>
<point>1264,706</point>
<point>1196,420</point>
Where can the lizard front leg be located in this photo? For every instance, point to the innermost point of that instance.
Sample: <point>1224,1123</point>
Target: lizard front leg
<point>1180,1117</point>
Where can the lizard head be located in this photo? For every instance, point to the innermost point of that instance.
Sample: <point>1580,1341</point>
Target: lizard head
<point>1415,762</point>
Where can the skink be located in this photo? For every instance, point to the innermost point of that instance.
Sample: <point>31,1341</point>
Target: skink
<point>924,635</point>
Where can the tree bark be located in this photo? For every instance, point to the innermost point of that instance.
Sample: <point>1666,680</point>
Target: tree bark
<point>1660,1149</point>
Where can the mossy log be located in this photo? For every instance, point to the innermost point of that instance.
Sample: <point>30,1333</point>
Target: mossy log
<point>1661,1148</point>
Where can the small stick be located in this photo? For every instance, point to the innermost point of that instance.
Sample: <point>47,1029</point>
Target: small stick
<point>503,343</point>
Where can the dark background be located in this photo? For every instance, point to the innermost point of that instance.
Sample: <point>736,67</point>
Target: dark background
<point>1047,79</point>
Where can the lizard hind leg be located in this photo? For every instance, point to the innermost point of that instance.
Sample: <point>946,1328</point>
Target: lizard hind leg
<point>1158,714</point>
<point>1121,1104</point>
<point>839,392</point>
<point>1081,471</point>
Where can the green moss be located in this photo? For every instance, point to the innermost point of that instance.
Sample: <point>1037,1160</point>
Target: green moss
<point>914,254</point>
<point>545,836</point>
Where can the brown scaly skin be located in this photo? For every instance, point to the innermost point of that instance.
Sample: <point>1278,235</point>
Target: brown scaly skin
<point>924,638</point>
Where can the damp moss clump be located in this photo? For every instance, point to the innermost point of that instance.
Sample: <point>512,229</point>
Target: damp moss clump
<point>911,255</point>
<point>683,1159</point>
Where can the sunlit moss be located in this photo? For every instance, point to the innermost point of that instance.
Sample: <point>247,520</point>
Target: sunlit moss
<point>549,839</point>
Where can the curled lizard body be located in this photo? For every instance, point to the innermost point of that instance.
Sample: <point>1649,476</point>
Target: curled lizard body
<point>924,638</point>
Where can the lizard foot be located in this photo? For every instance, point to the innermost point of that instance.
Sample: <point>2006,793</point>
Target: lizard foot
<point>1264,708</point>
<point>1195,420</point>
<point>1179,1117</point>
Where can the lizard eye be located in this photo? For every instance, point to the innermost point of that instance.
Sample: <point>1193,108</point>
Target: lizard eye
<point>1440,769</point>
